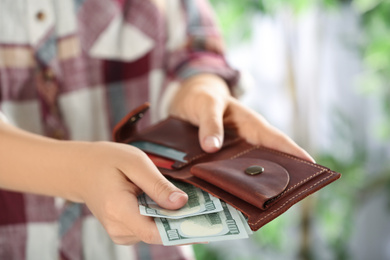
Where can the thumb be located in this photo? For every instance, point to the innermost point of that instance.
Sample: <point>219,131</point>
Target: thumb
<point>211,128</point>
<point>166,195</point>
<point>158,188</point>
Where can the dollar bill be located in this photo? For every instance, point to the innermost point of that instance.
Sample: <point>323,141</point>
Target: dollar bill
<point>224,225</point>
<point>199,203</point>
<point>245,223</point>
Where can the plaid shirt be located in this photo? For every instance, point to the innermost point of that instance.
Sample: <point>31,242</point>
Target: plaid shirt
<point>71,69</point>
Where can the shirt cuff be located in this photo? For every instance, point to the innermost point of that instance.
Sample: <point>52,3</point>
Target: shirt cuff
<point>201,62</point>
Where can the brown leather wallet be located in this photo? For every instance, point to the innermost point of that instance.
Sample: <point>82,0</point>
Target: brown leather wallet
<point>260,182</point>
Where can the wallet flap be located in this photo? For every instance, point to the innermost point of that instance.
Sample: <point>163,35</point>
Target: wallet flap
<point>285,181</point>
<point>253,180</point>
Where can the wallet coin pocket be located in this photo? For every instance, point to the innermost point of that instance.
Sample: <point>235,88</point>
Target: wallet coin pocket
<point>253,180</point>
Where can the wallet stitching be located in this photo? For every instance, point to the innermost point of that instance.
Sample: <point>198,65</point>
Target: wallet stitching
<point>302,181</point>
<point>191,160</point>
<point>297,184</point>
<point>284,192</point>
<point>292,198</point>
<point>277,152</point>
<point>244,152</point>
<point>292,157</point>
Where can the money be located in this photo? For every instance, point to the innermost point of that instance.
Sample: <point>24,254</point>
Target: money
<point>204,218</point>
<point>224,225</point>
<point>245,223</point>
<point>199,203</point>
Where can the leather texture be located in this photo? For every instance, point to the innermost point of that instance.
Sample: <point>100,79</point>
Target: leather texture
<point>231,174</point>
<point>285,181</point>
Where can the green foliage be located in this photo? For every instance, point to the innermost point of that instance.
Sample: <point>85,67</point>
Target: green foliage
<point>365,5</point>
<point>335,206</point>
<point>235,16</point>
<point>204,252</point>
<point>376,56</point>
<point>269,235</point>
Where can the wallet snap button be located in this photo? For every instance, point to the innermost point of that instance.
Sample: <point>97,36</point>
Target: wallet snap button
<point>254,170</point>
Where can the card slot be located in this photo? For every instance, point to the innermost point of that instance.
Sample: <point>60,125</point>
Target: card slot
<point>160,150</point>
<point>187,142</point>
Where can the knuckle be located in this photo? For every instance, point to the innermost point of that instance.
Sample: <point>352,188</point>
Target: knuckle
<point>111,221</point>
<point>124,240</point>
<point>115,233</point>
<point>115,237</point>
<point>147,237</point>
<point>121,240</point>
<point>118,241</point>
<point>110,211</point>
<point>208,96</point>
<point>120,234</point>
<point>205,99</point>
<point>162,186</point>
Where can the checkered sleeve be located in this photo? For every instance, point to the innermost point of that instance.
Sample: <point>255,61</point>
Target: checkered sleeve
<point>202,50</point>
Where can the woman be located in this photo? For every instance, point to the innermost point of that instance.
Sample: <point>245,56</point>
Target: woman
<point>69,71</point>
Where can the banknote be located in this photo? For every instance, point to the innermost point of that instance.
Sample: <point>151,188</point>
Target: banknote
<point>245,223</point>
<point>199,203</point>
<point>224,225</point>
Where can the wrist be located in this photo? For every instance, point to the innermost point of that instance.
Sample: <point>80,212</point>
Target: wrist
<point>72,163</point>
<point>197,91</point>
<point>36,164</point>
<point>212,83</point>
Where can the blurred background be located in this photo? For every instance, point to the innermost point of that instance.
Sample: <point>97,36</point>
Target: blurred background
<point>319,71</point>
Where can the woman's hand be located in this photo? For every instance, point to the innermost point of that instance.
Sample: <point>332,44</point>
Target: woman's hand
<point>107,176</point>
<point>205,101</point>
<point>117,174</point>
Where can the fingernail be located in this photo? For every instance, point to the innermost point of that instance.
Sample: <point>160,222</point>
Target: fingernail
<point>212,142</point>
<point>175,196</point>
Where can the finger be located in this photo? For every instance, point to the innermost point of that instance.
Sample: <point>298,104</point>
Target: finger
<point>126,225</point>
<point>211,125</point>
<point>281,142</point>
<point>256,130</point>
<point>145,228</point>
<point>273,138</point>
<point>148,178</point>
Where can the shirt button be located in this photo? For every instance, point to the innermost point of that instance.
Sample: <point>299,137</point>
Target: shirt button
<point>40,16</point>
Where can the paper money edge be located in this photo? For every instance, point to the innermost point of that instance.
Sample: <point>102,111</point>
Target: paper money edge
<point>234,213</point>
<point>143,206</point>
